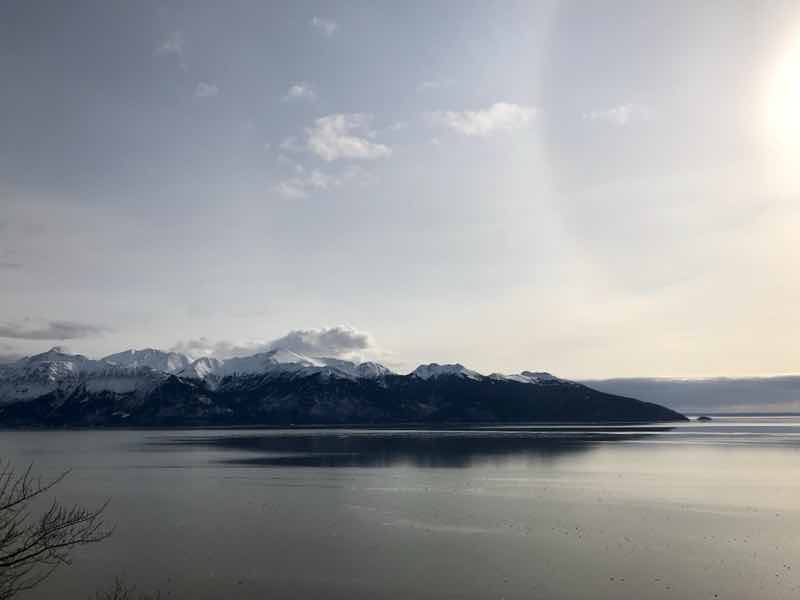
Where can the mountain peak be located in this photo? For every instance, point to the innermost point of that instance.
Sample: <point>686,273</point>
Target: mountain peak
<point>433,370</point>
<point>282,356</point>
<point>158,360</point>
<point>541,376</point>
<point>56,353</point>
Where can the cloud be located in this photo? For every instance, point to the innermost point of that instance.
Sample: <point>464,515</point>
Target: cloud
<point>292,189</point>
<point>333,137</point>
<point>337,342</point>
<point>291,144</point>
<point>199,347</point>
<point>326,26</point>
<point>434,84</point>
<point>30,329</point>
<point>300,91</point>
<point>328,341</point>
<point>206,90</point>
<point>172,45</point>
<point>287,163</point>
<point>500,116</point>
<point>305,182</point>
<point>620,115</point>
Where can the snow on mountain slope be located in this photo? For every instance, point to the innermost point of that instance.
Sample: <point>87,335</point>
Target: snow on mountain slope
<point>273,361</point>
<point>201,368</point>
<point>434,370</point>
<point>141,371</point>
<point>529,377</point>
<point>281,362</point>
<point>365,370</point>
<point>55,370</point>
<point>514,377</point>
<point>371,370</point>
<point>542,377</point>
<point>56,364</point>
<point>168,362</point>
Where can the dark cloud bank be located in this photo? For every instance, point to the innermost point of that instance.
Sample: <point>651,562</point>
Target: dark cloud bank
<point>718,395</point>
<point>48,330</point>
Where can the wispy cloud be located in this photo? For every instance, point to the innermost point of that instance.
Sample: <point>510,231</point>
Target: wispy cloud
<point>300,91</point>
<point>340,136</point>
<point>32,329</point>
<point>173,44</point>
<point>206,90</point>
<point>202,346</point>
<point>291,144</point>
<point>434,84</point>
<point>340,341</point>
<point>326,26</point>
<point>620,115</point>
<point>304,182</point>
<point>500,116</point>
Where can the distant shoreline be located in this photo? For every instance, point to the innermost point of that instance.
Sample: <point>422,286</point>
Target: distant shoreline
<point>744,414</point>
<point>467,426</point>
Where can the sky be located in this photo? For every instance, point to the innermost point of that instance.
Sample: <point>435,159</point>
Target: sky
<point>592,189</point>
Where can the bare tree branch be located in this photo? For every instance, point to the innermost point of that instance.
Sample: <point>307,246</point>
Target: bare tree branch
<point>32,547</point>
<point>120,591</point>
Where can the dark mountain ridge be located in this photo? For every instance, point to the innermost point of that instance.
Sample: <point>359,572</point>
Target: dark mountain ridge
<point>55,390</point>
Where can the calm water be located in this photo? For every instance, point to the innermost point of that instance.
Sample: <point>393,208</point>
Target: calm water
<point>695,511</point>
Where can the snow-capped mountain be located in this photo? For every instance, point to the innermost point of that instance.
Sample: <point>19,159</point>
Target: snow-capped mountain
<point>201,368</point>
<point>56,371</point>
<point>434,370</point>
<point>43,373</point>
<point>371,370</point>
<point>365,370</point>
<point>529,377</point>
<point>147,387</point>
<point>158,360</point>
<point>268,362</point>
<point>281,362</point>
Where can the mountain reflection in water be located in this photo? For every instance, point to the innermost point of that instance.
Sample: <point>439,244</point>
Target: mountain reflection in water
<point>417,448</point>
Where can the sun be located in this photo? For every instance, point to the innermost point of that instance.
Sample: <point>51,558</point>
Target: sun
<point>783,99</point>
<point>780,165</point>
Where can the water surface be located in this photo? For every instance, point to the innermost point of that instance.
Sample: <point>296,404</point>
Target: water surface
<point>698,510</point>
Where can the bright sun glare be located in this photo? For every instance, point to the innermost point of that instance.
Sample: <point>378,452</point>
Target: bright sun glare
<point>783,98</point>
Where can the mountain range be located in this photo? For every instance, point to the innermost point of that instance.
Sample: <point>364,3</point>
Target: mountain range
<point>280,387</point>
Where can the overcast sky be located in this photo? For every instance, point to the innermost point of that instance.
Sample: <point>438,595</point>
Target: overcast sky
<point>593,189</point>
